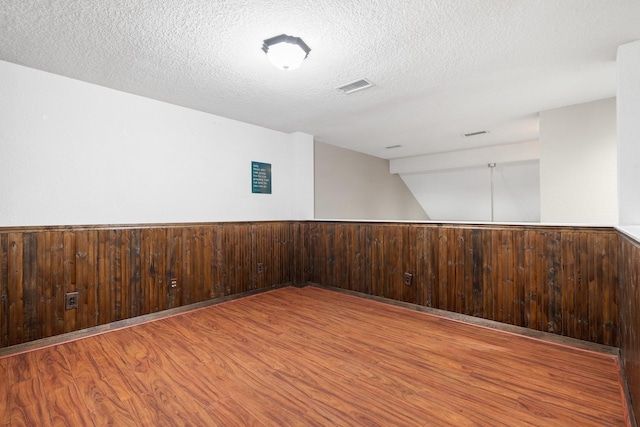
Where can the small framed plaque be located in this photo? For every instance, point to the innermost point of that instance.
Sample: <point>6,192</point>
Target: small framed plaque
<point>260,178</point>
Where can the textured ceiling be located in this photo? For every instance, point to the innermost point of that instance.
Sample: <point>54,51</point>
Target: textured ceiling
<point>441,68</point>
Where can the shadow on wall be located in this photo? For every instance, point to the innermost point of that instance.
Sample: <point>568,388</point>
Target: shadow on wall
<point>351,185</point>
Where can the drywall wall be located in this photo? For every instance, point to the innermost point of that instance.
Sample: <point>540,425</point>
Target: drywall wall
<point>465,194</point>
<point>351,185</point>
<point>76,153</point>
<point>456,186</point>
<point>471,158</point>
<point>578,165</point>
<point>628,121</point>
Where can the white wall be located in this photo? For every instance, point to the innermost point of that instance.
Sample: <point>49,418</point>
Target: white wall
<point>76,153</point>
<point>578,165</point>
<point>471,158</point>
<point>628,106</point>
<point>351,185</point>
<point>465,194</point>
<point>456,186</point>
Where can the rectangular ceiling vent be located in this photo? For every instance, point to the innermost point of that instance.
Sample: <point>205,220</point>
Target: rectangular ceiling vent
<point>482,132</point>
<point>355,86</point>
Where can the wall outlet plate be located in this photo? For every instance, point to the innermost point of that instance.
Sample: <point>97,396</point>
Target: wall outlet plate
<point>70,300</point>
<point>408,277</point>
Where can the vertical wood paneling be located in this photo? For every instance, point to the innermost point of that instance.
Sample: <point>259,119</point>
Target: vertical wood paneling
<point>206,263</point>
<point>596,294</point>
<point>553,279</point>
<point>520,277</point>
<point>409,265</point>
<point>69,277</point>
<point>559,279</point>
<point>195,279</point>
<point>458,294</point>
<point>450,270</point>
<point>365,263</point>
<point>568,303</point>
<point>611,293</point>
<point>86,278</point>
<point>30,291</point>
<point>628,266</point>
<point>392,256</point>
<point>424,276</point>
<point>529,288</point>
<point>486,258</point>
<point>442,274</point>
<point>174,266</point>
<point>187,244</point>
<point>377,262</point>
<point>15,286</point>
<point>4,291</point>
<point>57,281</point>
<point>298,252</point>
<point>126,272</point>
<point>115,275</point>
<point>43,280</point>
<point>542,292</point>
<point>104,284</point>
<point>219,278</point>
<point>554,286</point>
<point>473,274</point>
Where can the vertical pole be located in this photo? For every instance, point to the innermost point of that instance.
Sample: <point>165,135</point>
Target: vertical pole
<point>491,166</point>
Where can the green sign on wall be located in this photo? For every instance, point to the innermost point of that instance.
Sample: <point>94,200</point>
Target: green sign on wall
<point>261,178</point>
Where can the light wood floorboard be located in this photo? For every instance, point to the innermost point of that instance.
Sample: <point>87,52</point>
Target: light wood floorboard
<point>309,356</point>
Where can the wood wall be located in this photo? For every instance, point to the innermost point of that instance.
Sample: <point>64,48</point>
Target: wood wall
<point>556,279</point>
<point>629,297</point>
<point>124,272</point>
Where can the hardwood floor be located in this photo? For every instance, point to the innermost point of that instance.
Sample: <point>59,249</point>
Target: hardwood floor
<point>309,357</point>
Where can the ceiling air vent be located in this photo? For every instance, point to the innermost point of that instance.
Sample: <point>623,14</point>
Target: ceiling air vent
<point>482,132</point>
<point>355,86</point>
<point>391,147</point>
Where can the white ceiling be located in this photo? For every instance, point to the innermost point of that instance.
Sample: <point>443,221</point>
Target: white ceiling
<point>441,68</point>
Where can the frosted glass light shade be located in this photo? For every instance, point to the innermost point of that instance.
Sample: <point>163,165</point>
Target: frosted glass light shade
<point>286,52</point>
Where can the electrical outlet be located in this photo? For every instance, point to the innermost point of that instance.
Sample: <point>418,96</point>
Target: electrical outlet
<point>70,300</point>
<point>173,283</point>
<point>260,268</point>
<point>408,277</point>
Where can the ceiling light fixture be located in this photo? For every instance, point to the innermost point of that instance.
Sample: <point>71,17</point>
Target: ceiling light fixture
<point>286,52</point>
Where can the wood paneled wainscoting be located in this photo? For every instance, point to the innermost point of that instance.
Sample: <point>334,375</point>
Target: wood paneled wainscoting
<point>554,279</point>
<point>629,296</point>
<point>123,272</point>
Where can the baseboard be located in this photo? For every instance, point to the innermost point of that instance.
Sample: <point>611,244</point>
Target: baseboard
<point>125,323</point>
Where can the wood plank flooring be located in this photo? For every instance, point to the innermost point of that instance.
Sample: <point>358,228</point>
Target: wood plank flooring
<point>309,357</point>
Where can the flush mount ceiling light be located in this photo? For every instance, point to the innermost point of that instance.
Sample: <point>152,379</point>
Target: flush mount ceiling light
<point>286,52</point>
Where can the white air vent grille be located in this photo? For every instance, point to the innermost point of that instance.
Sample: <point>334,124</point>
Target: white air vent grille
<point>355,86</point>
<point>482,132</point>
